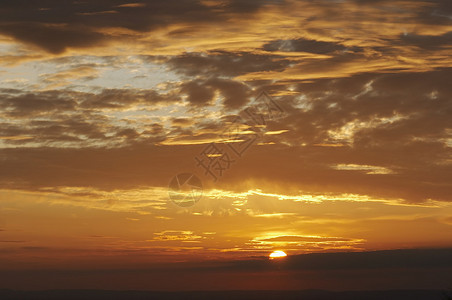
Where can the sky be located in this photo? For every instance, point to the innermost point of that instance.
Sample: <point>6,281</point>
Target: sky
<point>311,127</point>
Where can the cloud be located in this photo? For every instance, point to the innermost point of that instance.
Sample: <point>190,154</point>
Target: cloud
<point>307,243</point>
<point>133,5</point>
<point>235,93</point>
<point>56,26</point>
<point>222,63</point>
<point>198,93</point>
<point>54,39</point>
<point>63,78</point>
<point>60,116</point>
<point>202,92</point>
<point>428,42</point>
<point>398,122</point>
<point>18,104</point>
<point>170,235</point>
<point>437,12</point>
<point>368,169</point>
<point>305,45</point>
<point>294,238</point>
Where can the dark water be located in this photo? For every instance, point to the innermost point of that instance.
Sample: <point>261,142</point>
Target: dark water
<point>261,295</point>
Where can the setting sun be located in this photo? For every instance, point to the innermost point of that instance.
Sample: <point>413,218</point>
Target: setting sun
<point>277,254</point>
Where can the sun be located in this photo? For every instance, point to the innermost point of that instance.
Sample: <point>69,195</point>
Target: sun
<point>277,254</point>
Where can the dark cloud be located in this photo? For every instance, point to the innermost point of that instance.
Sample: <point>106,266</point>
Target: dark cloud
<point>128,133</point>
<point>54,39</point>
<point>75,127</point>
<point>419,102</point>
<point>202,92</point>
<point>437,12</point>
<point>34,22</point>
<point>124,98</point>
<point>198,93</point>
<point>25,105</point>
<point>20,104</point>
<point>57,25</point>
<point>154,129</point>
<point>305,168</point>
<point>305,45</point>
<point>428,42</point>
<point>246,6</point>
<point>75,117</point>
<point>181,121</point>
<point>235,93</point>
<point>140,166</point>
<point>220,63</point>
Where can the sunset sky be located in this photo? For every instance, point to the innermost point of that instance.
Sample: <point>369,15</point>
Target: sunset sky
<point>103,103</point>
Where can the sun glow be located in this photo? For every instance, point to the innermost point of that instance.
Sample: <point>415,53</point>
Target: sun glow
<point>277,254</point>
